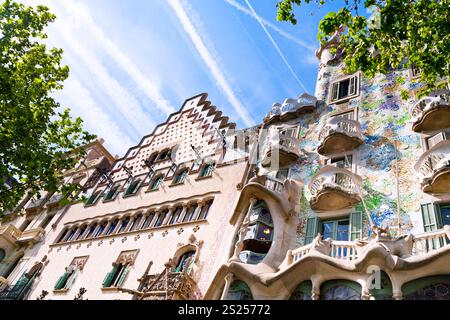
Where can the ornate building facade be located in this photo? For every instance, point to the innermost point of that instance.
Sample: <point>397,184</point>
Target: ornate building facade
<point>340,195</point>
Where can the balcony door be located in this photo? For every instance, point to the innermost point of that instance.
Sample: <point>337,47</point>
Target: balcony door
<point>336,230</point>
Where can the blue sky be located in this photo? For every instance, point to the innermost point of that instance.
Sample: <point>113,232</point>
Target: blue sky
<point>134,62</point>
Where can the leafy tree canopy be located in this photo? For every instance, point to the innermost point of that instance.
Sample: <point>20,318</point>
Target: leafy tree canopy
<point>38,140</point>
<point>415,31</point>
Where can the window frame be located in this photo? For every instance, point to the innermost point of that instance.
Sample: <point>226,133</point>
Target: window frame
<point>356,93</point>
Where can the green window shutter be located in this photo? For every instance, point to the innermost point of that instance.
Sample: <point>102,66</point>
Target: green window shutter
<point>60,283</point>
<point>71,280</point>
<point>109,277</point>
<point>429,217</point>
<point>312,228</point>
<point>438,216</point>
<point>122,276</point>
<point>355,226</point>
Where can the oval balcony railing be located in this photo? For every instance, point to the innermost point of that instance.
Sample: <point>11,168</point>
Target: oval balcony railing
<point>434,168</point>
<point>288,148</point>
<point>339,135</point>
<point>334,188</point>
<point>431,113</point>
<point>424,243</point>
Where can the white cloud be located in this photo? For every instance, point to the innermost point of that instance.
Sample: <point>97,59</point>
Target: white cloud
<point>276,47</point>
<point>82,103</point>
<point>82,15</point>
<point>310,47</point>
<point>210,61</point>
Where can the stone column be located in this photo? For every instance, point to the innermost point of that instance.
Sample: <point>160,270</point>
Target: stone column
<point>130,223</point>
<point>106,228</point>
<point>228,281</point>
<point>183,213</point>
<point>242,231</point>
<point>168,215</point>
<point>155,218</point>
<point>200,205</point>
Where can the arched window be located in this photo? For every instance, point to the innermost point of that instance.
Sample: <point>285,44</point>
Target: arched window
<point>239,290</point>
<point>124,225</point>
<point>176,215</point>
<point>384,292</point>
<point>161,218</point>
<point>2,254</point>
<point>112,226</point>
<point>180,177</point>
<point>135,223</point>
<point>100,229</point>
<point>63,235</point>
<point>302,292</point>
<point>205,210</point>
<point>259,235</point>
<point>184,260</point>
<point>429,288</point>
<point>155,184</point>
<point>207,170</point>
<point>147,221</point>
<point>71,234</point>
<point>340,290</point>
<point>190,213</point>
<point>82,231</point>
<point>91,231</point>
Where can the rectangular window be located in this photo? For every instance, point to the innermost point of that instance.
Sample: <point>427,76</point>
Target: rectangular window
<point>345,162</point>
<point>112,193</point>
<point>94,198</point>
<point>336,229</point>
<point>133,187</point>
<point>345,88</point>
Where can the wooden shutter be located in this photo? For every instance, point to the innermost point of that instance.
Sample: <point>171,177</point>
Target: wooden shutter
<point>335,91</point>
<point>429,217</point>
<point>109,277</point>
<point>122,276</point>
<point>355,226</point>
<point>71,279</point>
<point>312,228</point>
<point>61,281</point>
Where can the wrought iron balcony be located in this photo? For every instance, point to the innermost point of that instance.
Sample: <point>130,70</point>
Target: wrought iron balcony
<point>339,135</point>
<point>169,286</point>
<point>31,236</point>
<point>431,113</point>
<point>334,188</point>
<point>434,168</point>
<point>9,233</point>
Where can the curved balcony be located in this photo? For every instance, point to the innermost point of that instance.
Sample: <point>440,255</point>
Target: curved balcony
<point>339,135</point>
<point>9,233</point>
<point>334,188</point>
<point>31,236</point>
<point>291,109</point>
<point>431,113</point>
<point>288,149</point>
<point>434,169</point>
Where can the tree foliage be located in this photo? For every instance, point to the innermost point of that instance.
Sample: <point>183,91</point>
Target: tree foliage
<point>397,33</point>
<point>38,139</point>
